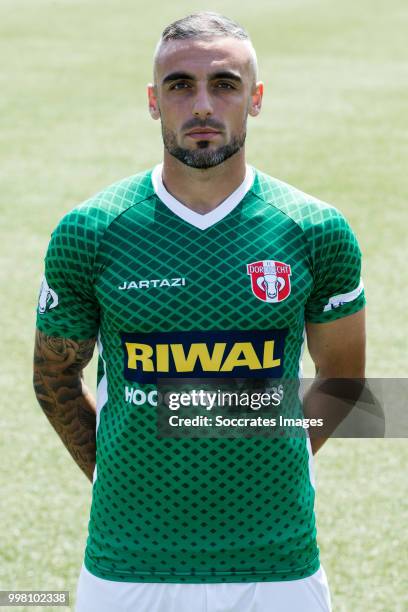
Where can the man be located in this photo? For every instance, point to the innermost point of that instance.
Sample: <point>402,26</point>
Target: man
<point>202,267</point>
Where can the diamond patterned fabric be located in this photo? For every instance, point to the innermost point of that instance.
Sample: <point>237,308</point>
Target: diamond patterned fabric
<point>196,510</point>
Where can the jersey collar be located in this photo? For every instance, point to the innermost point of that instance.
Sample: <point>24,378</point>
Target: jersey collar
<point>198,220</point>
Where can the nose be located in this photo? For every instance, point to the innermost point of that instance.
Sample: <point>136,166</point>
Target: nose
<point>202,106</point>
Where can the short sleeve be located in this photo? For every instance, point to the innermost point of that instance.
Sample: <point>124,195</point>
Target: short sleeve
<point>338,289</point>
<point>67,306</point>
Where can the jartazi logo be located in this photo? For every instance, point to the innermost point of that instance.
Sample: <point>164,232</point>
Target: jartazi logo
<point>203,354</point>
<point>156,282</point>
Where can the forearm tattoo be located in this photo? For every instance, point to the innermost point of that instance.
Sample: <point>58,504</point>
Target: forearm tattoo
<point>59,387</point>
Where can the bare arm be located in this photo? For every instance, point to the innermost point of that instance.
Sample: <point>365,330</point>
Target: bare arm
<point>338,351</point>
<point>63,396</point>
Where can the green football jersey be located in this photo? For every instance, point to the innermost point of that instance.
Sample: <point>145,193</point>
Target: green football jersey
<point>171,293</point>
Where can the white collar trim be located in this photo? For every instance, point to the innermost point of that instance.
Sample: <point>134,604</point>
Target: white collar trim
<point>194,218</point>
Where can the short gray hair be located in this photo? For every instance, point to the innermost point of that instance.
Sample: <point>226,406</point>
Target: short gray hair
<point>206,25</point>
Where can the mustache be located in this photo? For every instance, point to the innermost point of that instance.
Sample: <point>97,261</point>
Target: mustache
<point>198,123</point>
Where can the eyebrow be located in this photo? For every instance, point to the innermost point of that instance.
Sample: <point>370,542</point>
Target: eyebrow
<point>224,74</point>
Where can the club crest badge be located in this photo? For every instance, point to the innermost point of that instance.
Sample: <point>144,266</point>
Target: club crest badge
<point>270,280</point>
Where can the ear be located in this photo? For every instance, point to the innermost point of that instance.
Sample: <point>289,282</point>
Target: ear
<point>153,103</point>
<point>256,99</point>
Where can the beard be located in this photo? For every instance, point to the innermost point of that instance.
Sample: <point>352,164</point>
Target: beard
<point>202,157</point>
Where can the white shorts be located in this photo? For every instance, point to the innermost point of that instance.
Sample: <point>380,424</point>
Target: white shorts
<point>309,594</point>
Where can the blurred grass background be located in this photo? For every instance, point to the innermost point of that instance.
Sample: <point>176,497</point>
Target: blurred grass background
<point>74,118</point>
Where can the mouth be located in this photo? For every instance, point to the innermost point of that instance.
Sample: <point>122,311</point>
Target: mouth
<point>203,134</point>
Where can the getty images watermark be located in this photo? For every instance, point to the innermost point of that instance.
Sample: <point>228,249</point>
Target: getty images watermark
<point>213,399</point>
<point>350,408</point>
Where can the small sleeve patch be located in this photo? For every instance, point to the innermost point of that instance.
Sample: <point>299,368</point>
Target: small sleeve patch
<point>338,300</point>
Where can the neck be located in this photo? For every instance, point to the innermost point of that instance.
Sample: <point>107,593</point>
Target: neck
<point>203,190</point>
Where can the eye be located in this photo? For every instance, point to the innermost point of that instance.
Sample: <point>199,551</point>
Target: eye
<point>224,85</point>
<point>179,85</point>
